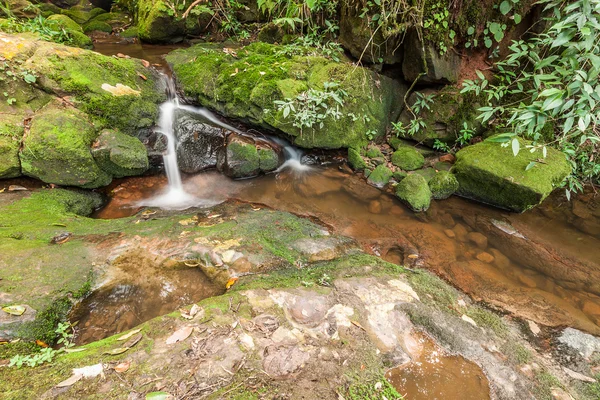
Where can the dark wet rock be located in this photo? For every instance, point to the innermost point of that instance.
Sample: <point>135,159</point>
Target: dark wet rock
<point>423,62</point>
<point>408,159</point>
<point>120,155</point>
<point>490,173</point>
<point>443,185</point>
<point>198,142</point>
<point>444,118</point>
<point>271,33</point>
<point>414,191</point>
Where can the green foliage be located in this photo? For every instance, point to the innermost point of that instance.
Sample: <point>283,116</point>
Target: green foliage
<point>548,90</point>
<point>47,354</point>
<point>38,25</point>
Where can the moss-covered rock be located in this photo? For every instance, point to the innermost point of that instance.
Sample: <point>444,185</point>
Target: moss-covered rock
<point>268,159</point>
<point>57,149</point>
<point>380,176</point>
<point>80,15</point>
<point>75,32</point>
<point>490,173</point>
<point>11,132</point>
<point>88,76</point>
<point>355,160</point>
<point>374,152</point>
<point>246,84</point>
<point>95,25</point>
<point>155,24</point>
<point>240,158</point>
<point>445,117</point>
<point>271,33</point>
<point>399,175</point>
<point>414,191</point>
<point>443,185</point>
<point>120,155</point>
<point>22,9</point>
<point>408,158</point>
<point>427,173</point>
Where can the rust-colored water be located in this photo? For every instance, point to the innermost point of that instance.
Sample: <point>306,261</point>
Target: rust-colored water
<point>434,375</point>
<point>439,238</point>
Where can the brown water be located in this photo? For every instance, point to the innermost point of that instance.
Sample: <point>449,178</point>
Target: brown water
<point>139,290</point>
<point>434,375</point>
<point>439,238</point>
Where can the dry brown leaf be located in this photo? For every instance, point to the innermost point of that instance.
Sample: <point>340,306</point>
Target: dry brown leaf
<point>123,367</point>
<point>133,341</point>
<point>41,343</point>
<point>180,335</point>
<point>130,334</point>
<point>142,76</point>
<point>69,382</point>
<point>145,63</point>
<point>117,351</point>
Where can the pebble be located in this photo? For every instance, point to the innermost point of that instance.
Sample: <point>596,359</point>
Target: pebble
<point>500,260</point>
<point>527,281</point>
<point>375,207</point>
<point>447,220</point>
<point>591,308</point>
<point>450,233</point>
<point>485,257</point>
<point>534,328</point>
<point>480,240</point>
<point>396,210</point>
<point>461,232</point>
<point>468,320</point>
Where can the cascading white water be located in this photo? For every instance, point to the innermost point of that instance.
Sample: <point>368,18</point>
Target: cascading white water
<point>293,158</point>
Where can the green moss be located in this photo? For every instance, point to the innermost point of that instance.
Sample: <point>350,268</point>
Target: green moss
<point>79,39</point>
<point>57,150</point>
<point>488,319</point>
<point>95,25</point>
<point>120,155</point>
<point>268,159</point>
<point>433,290</point>
<point>374,152</point>
<point>131,32</point>
<point>11,132</point>
<point>77,15</point>
<point>408,159</point>
<point>490,173</point>
<point>427,173</point>
<point>399,175</point>
<point>414,191</point>
<point>155,24</point>
<point>443,185</point>
<point>380,176</point>
<point>242,159</point>
<point>355,160</point>
<point>264,75</point>
<point>64,22</point>
<point>395,142</point>
<point>368,391</point>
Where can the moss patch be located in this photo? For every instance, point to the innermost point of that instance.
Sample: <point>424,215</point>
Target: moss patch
<point>380,176</point>
<point>408,159</point>
<point>414,191</point>
<point>443,185</point>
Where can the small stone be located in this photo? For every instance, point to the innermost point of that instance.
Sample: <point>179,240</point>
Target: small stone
<point>560,394</point>
<point>577,376</point>
<point>591,308</point>
<point>527,281</point>
<point>462,303</point>
<point>461,232</point>
<point>449,158</point>
<point>500,260</point>
<point>16,188</point>
<point>480,240</point>
<point>534,328</point>
<point>469,320</point>
<point>450,233</point>
<point>375,207</point>
<point>396,210</point>
<point>485,257</point>
<point>447,220</point>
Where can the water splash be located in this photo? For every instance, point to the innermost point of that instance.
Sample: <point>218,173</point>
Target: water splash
<point>293,158</point>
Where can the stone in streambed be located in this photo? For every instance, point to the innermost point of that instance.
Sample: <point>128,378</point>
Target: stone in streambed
<point>443,185</point>
<point>120,155</point>
<point>380,176</point>
<point>480,240</point>
<point>408,159</point>
<point>414,191</point>
<point>355,160</point>
<point>490,173</point>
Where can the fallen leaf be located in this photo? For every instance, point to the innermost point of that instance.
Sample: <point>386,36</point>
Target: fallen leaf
<point>91,371</point>
<point>133,341</point>
<point>2,190</point>
<point>123,367</point>
<point>145,63</point>
<point>14,310</point>
<point>16,188</point>
<point>58,224</point>
<point>142,76</point>
<point>41,343</point>
<point>69,382</point>
<point>413,256</point>
<point>186,222</point>
<point>74,350</point>
<point>191,264</point>
<point>262,73</point>
<point>231,282</point>
<point>180,335</point>
<point>192,313</point>
<point>117,351</point>
<point>130,334</point>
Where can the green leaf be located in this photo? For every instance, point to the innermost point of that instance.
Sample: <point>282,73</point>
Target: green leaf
<point>470,30</point>
<point>505,7</point>
<point>516,146</point>
<point>158,396</point>
<point>530,165</point>
<point>517,18</point>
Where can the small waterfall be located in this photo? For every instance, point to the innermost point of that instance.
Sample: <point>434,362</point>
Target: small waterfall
<point>293,157</point>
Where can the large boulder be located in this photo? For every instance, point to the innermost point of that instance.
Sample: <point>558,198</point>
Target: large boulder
<point>57,149</point>
<point>444,118</point>
<point>11,132</point>
<point>245,84</point>
<point>72,28</point>
<point>490,173</point>
<point>158,23</point>
<point>119,154</point>
<point>198,142</point>
<point>424,63</point>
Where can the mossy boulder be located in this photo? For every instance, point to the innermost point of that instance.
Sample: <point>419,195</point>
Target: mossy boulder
<point>443,185</point>
<point>445,117</point>
<point>490,173</point>
<point>355,160</point>
<point>57,149</point>
<point>240,158</point>
<point>374,152</point>
<point>11,132</point>
<point>75,32</point>
<point>415,192</point>
<point>271,33</point>
<point>427,173</point>
<point>81,15</point>
<point>116,20</point>
<point>269,159</point>
<point>157,23</point>
<point>245,85</point>
<point>90,78</point>
<point>408,158</point>
<point>399,175</point>
<point>380,176</point>
<point>22,9</point>
<point>120,155</point>
<point>94,25</point>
